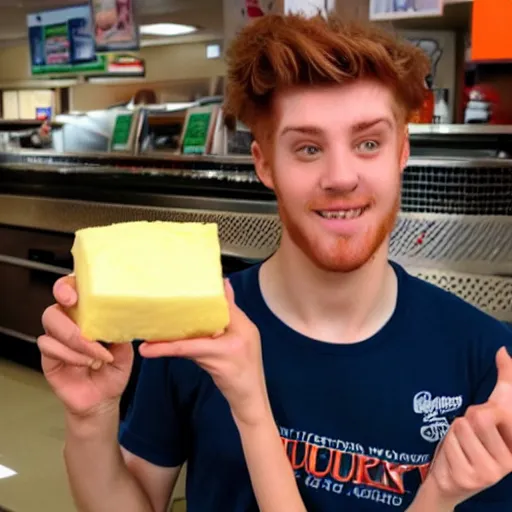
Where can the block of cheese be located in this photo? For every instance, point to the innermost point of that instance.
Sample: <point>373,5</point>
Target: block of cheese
<point>155,281</point>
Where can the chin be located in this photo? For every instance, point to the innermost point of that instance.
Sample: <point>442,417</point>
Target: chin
<point>344,256</point>
<point>340,254</point>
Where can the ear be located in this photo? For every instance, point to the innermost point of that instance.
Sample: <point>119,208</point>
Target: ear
<point>405,153</point>
<point>263,169</point>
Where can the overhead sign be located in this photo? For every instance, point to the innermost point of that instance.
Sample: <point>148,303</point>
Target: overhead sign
<point>61,41</point>
<point>114,25</point>
<point>491,35</point>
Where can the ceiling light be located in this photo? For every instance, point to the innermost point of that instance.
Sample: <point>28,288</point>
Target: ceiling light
<point>213,51</point>
<point>166,29</point>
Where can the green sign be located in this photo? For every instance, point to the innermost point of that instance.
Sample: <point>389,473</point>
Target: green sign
<point>196,134</point>
<point>122,130</point>
<point>97,66</point>
<point>60,30</point>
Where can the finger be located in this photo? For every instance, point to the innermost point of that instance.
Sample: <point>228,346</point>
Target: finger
<point>484,420</point>
<point>237,318</point>
<point>504,364</point>
<point>234,310</point>
<point>230,293</point>
<point>498,440</point>
<point>503,391</point>
<point>59,353</point>
<point>189,349</point>
<point>505,426</point>
<point>123,355</point>
<point>452,449</point>
<point>59,326</point>
<point>64,291</point>
<point>470,444</point>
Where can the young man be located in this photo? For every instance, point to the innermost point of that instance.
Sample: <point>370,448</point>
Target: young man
<point>365,367</point>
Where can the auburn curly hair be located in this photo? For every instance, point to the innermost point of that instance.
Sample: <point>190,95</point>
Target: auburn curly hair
<point>278,51</point>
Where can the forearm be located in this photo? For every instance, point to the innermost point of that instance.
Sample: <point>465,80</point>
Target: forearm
<point>98,476</point>
<point>271,474</point>
<point>428,499</point>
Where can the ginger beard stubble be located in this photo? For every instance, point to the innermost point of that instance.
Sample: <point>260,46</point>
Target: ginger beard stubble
<point>334,253</point>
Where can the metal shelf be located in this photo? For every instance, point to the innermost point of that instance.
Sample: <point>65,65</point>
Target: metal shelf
<point>459,129</point>
<point>18,335</point>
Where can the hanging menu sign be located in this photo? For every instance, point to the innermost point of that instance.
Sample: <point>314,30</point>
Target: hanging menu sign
<point>122,133</point>
<point>198,130</point>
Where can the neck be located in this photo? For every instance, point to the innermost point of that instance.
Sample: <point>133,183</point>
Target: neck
<point>329,306</point>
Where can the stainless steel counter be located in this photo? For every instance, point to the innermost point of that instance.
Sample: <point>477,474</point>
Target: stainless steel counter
<point>454,228</point>
<point>152,163</point>
<point>459,129</point>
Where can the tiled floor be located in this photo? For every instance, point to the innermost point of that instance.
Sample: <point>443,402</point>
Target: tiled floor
<point>31,442</point>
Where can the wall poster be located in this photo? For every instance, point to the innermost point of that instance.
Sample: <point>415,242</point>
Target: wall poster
<point>396,9</point>
<point>115,28</point>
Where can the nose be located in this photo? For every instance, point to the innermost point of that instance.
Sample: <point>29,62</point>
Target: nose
<point>340,173</point>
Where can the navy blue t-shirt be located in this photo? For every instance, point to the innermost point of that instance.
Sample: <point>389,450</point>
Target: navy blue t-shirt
<point>360,422</point>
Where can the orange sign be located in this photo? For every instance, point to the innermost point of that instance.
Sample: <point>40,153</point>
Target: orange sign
<point>491,34</point>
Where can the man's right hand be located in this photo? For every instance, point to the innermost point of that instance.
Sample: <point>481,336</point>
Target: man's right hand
<point>85,376</point>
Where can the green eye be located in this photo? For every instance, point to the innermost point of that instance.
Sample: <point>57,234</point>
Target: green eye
<point>368,146</point>
<point>309,150</point>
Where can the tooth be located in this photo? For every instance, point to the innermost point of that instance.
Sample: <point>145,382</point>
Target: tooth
<point>343,214</point>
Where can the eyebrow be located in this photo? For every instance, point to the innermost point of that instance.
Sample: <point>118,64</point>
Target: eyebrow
<point>306,130</point>
<point>363,126</point>
<point>357,128</point>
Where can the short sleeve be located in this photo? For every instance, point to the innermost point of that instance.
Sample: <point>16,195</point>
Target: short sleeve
<point>499,497</point>
<point>156,426</point>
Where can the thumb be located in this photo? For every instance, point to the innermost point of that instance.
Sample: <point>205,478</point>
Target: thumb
<point>123,355</point>
<point>237,318</point>
<point>503,390</point>
<point>64,291</point>
<point>234,310</point>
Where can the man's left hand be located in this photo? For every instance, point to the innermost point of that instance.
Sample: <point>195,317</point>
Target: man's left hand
<point>233,360</point>
<point>477,451</point>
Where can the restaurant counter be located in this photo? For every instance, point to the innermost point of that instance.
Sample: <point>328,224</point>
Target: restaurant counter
<point>454,227</point>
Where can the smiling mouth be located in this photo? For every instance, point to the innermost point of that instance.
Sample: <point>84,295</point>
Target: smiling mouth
<point>342,214</point>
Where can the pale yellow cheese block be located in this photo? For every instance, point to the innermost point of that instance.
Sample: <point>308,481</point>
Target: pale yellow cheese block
<point>153,281</point>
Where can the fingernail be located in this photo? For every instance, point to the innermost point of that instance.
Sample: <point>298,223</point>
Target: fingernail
<point>67,296</point>
<point>96,365</point>
<point>109,358</point>
<point>105,355</point>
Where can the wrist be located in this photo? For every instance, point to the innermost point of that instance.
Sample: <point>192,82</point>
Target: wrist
<point>102,420</point>
<point>255,414</point>
<point>431,499</point>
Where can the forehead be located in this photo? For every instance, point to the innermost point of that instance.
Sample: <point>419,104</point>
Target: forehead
<point>334,106</point>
